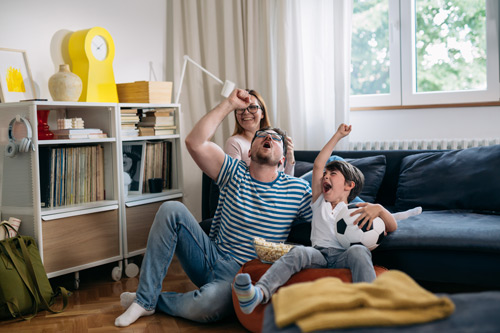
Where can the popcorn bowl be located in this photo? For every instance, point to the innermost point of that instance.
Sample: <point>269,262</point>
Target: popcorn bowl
<point>268,252</point>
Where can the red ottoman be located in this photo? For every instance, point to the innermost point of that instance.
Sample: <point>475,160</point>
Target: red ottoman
<point>253,321</point>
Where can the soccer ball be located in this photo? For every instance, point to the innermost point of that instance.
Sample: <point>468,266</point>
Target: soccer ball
<point>349,234</point>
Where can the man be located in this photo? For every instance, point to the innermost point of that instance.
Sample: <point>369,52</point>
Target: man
<point>254,201</point>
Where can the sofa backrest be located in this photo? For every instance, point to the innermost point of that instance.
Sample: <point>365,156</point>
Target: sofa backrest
<point>385,196</point>
<point>387,191</point>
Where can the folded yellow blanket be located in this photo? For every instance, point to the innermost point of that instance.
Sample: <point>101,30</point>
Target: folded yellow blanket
<point>392,299</point>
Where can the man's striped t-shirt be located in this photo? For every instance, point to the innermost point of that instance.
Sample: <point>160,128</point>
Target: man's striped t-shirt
<point>249,208</point>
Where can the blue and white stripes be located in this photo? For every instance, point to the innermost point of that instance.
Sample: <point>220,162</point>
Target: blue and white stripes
<point>249,208</point>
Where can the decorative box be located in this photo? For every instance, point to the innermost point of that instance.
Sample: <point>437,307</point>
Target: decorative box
<point>145,92</point>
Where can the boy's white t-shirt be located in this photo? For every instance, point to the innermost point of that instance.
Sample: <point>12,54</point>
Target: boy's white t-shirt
<point>323,223</point>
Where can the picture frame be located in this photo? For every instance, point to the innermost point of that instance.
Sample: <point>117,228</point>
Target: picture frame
<point>16,81</point>
<point>133,164</point>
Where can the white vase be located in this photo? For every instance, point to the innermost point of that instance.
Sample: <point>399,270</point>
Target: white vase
<point>65,85</point>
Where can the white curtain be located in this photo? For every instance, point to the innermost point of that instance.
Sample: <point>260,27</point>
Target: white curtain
<point>296,53</point>
<point>312,69</point>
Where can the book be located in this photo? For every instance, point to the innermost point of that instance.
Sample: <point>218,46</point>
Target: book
<point>76,131</point>
<point>70,136</point>
<point>69,176</point>
<point>128,111</point>
<point>168,164</point>
<point>156,126</point>
<point>53,171</point>
<point>159,112</point>
<point>146,131</point>
<point>152,131</point>
<point>129,132</point>
<point>153,120</point>
<point>148,166</point>
<point>80,136</point>
<point>100,173</point>
<point>164,109</point>
<point>129,119</point>
<point>93,169</point>
<point>164,131</point>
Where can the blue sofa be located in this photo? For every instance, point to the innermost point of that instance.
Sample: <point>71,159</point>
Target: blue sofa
<point>456,239</point>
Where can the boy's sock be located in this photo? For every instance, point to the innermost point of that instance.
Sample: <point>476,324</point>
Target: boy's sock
<point>407,213</point>
<point>134,312</point>
<point>126,299</point>
<point>249,296</point>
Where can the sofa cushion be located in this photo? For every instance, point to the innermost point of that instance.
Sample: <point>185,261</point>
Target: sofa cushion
<point>445,246</point>
<point>458,179</point>
<point>372,167</point>
<point>302,167</point>
<point>447,230</point>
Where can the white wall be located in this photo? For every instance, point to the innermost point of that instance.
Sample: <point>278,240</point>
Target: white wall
<point>420,124</point>
<point>138,29</point>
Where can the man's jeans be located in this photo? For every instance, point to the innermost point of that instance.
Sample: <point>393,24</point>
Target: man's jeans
<point>357,258</point>
<point>175,230</point>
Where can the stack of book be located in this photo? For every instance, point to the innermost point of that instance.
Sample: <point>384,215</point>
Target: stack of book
<point>129,119</point>
<point>79,133</point>
<point>159,121</point>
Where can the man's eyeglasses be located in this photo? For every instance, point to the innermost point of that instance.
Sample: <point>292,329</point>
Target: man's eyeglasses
<point>251,108</point>
<point>274,136</point>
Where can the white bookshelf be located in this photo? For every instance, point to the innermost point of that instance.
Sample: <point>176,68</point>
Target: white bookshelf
<point>139,209</point>
<point>73,237</point>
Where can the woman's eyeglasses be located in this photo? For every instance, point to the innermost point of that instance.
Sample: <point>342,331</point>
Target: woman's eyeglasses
<point>251,108</point>
<point>274,136</point>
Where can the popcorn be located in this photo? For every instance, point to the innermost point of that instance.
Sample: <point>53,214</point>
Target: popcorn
<point>269,252</point>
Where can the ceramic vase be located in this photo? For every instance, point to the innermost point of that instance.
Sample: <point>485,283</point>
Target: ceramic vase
<point>65,85</point>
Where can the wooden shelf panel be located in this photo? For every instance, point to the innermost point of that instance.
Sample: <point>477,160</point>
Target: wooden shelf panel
<point>139,220</point>
<point>80,240</point>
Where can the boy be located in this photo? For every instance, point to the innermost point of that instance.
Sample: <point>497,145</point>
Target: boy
<point>339,183</point>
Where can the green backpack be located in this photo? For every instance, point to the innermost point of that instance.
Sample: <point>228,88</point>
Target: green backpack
<point>24,286</point>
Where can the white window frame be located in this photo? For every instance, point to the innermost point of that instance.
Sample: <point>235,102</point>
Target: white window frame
<point>403,64</point>
<point>394,96</point>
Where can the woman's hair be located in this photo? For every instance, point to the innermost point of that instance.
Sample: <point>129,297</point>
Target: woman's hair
<point>264,122</point>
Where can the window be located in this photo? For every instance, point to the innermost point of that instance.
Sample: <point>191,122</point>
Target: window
<point>410,52</point>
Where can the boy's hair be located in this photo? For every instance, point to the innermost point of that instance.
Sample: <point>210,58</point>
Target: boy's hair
<point>351,174</point>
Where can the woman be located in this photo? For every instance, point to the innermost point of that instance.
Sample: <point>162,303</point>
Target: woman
<point>248,121</point>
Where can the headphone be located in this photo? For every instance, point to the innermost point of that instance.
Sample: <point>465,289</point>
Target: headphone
<point>25,145</point>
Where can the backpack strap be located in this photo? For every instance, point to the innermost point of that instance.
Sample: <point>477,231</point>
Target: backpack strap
<point>29,265</point>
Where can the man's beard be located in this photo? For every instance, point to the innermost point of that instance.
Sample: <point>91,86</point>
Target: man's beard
<point>264,159</point>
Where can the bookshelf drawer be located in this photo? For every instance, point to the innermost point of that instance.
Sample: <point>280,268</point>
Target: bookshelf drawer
<point>80,240</point>
<point>139,220</point>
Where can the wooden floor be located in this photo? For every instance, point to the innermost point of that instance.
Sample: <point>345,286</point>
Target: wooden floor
<point>96,304</point>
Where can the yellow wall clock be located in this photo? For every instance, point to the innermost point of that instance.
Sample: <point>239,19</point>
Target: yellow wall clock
<point>92,52</point>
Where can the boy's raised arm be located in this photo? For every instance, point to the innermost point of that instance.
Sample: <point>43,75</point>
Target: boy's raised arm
<point>322,158</point>
<point>208,155</point>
